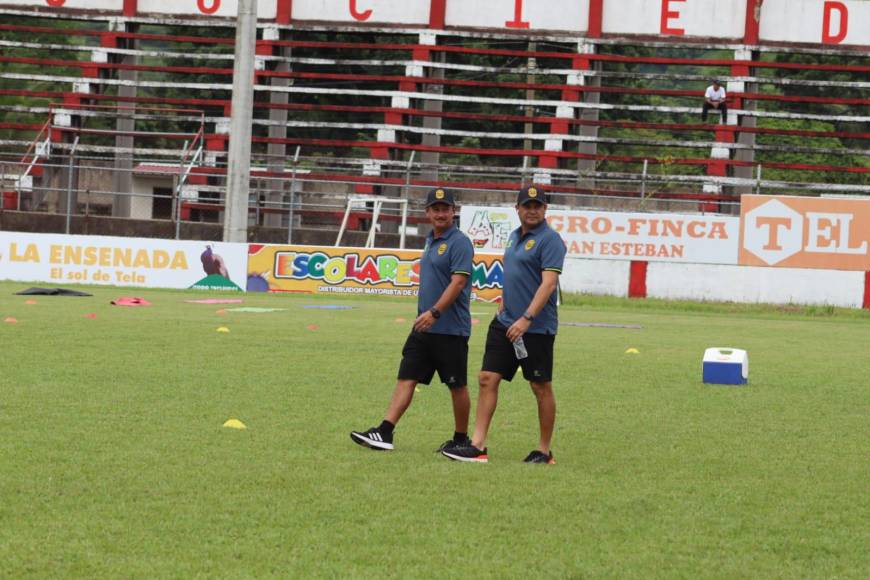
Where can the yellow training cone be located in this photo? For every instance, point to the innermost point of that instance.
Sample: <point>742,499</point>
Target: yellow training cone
<point>632,350</point>
<point>234,424</point>
<point>223,329</point>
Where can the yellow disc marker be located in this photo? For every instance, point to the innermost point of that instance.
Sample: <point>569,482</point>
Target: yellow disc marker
<point>632,350</point>
<point>234,424</point>
<point>223,329</point>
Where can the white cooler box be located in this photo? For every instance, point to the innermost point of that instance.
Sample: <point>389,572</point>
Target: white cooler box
<point>725,366</point>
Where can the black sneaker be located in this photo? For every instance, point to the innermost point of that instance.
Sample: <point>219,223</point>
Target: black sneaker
<point>540,457</point>
<point>468,453</point>
<point>373,439</point>
<point>451,444</point>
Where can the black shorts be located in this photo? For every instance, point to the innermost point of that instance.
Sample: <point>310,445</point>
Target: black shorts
<point>499,356</point>
<point>424,353</point>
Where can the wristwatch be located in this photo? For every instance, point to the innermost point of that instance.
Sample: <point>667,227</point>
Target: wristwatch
<point>528,316</point>
<point>435,313</point>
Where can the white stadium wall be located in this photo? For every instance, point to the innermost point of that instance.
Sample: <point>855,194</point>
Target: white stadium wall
<point>602,277</point>
<point>720,283</point>
<point>754,284</point>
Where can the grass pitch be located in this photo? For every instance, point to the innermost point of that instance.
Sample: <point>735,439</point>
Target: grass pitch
<point>114,461</point>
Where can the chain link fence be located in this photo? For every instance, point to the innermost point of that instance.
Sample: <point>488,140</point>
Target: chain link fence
<point>305,199</point>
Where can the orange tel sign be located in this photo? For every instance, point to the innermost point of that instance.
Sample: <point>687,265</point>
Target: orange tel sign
<point>805,232</point>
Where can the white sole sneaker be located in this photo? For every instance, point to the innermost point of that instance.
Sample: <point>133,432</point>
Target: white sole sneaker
<point>362,439</point>
<point>478,459</point>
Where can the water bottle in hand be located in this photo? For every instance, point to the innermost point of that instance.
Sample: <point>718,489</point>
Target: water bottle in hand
<point>520,349</point>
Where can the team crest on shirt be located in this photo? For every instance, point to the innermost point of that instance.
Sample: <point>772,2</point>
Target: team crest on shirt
<point>530,244</point>
<point>442,248</point>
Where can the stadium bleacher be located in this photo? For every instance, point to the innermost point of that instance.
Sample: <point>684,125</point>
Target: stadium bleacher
<point>601,121</point>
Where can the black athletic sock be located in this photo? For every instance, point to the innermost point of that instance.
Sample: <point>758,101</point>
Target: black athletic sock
<point>460,437</point>
<point>386,427</point>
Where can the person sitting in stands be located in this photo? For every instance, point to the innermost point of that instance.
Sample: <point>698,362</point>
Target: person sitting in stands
<point>714,98</point>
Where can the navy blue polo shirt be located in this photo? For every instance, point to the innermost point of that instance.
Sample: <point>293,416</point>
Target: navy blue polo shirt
<point>525,258</point>
<point>448,254</point>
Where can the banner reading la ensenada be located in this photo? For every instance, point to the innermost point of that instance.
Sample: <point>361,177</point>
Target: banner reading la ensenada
<point>701,239</point>
<point>142,262</point>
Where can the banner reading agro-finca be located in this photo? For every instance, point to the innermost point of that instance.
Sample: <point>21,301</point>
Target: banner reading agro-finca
<point>665,237</point>
<point>143,262</point>
<point>357,271</point>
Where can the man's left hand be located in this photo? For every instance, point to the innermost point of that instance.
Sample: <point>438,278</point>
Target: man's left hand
<point>517,329</point>
<point>424,322</point>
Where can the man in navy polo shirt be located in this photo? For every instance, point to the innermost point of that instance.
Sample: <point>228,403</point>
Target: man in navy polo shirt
<point>439,339</point>
<point>533,261</point>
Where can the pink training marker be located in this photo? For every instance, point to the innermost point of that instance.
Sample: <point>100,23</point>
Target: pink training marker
<point>30,301</point>
<point>312,327</point>
<point>220,311</point>
<point>130,301</point>
<point>10,320</point>
<point>400,319</point>
<point>91,315</point>
<point>475,321</point>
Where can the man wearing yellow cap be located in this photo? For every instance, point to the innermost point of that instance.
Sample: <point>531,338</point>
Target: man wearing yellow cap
<point>523,332</point>
<point>439,338</point>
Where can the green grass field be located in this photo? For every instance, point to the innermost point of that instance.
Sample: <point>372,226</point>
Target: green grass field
<point>114,461</point>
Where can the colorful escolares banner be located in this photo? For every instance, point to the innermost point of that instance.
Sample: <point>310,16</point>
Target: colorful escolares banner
<point>377,272</point>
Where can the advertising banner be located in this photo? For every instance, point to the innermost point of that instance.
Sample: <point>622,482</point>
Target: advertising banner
<point>368,11</point>
<point>828,22</point>
<point>519,14</point>
<point>141,262</point>
<point>266,9</point>
<point>108,5</point>
<point>374,272</point>
<point>700,239</point>
<point>805,232</point>
<point>704,18</point>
